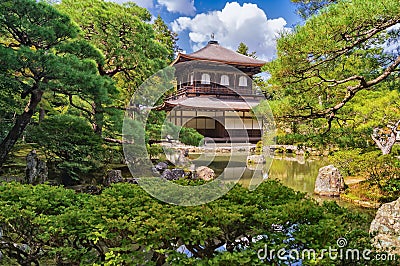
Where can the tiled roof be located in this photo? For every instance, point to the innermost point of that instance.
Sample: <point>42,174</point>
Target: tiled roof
<point>215,53</point>
<point>214,103</point>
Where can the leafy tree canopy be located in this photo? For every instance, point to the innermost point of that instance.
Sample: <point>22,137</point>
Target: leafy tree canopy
<point>323,65</point>
<point>244,50</point>
<point>134,49</point>
<point>123,34</point>
<point>307,8</point>
<point>166,37</point>
<point>38,54</point>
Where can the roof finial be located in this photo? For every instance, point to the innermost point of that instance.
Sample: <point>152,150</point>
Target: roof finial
<point>212,41</point>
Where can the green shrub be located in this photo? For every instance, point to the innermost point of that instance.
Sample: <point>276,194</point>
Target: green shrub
<point>381,171</point>
<point>352,162</point>
<point>126,226</point>
<point>156,132</point>
<point>259,148</point>
<point>290,139</point>
<point>71,145</point>
<point>190,136</point>
<point>154,150</point>
<point>337,137</point>
<point>396,150</point>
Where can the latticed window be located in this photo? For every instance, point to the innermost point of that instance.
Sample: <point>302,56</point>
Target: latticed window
<point>224,80</point>
<point>205,78</point>
<point>243,81</point>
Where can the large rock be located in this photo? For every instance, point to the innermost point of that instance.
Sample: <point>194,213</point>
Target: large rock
<point>178,173</point>
<point>178,157</point>
<point>205,173</point>
<point>161,166</point>
<point>132,180</point>
<point>183,158</point>
<point>169,175</point>
<point>155,172</point>
<point>329,182</point>
<point>91,189</point>
<point>255,159</point>
<point>386,226</point>
<point>113,176</point>
<point>36,169</point>
<point>173,174</point>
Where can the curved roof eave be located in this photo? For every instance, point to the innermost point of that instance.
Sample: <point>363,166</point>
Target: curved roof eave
<point>216,61</point>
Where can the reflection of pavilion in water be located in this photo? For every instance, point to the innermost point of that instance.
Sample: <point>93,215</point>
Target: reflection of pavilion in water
<point>291,171</point>
<point>233,167</point>
<point>213,99</point>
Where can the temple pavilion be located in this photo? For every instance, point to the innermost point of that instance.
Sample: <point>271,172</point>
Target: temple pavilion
<point>215,94</point>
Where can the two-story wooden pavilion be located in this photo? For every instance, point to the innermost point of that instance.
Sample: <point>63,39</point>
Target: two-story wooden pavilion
<point>215,94</point>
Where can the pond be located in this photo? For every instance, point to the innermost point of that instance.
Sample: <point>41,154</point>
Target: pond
<point>293,171</point>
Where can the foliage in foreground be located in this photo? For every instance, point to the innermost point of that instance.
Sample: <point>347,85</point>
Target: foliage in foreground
<point>125,226</point>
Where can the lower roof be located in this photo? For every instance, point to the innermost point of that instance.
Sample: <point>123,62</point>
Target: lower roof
<point>212,103</point>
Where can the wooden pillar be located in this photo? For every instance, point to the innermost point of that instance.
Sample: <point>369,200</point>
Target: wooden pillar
<point>252,125</point>
<point>176,121</point>
<point>234,82</point>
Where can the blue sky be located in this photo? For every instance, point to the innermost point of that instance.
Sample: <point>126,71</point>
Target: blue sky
<point>256,23</point>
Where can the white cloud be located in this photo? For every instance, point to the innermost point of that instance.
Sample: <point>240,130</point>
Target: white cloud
<point>232,25</point>
<point>142,3</point>
<point>185,7</point>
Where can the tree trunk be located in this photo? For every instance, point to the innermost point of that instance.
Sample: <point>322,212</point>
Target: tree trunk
<point>42,114</point>
<point>386,145</point>
<point>98,112</point>
<point>20,124</point>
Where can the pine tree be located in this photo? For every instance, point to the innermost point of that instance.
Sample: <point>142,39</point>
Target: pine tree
<point>38,54</point>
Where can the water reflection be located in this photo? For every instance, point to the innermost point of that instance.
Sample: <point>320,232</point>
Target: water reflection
<point>294,172</point>
<point>299,175</point>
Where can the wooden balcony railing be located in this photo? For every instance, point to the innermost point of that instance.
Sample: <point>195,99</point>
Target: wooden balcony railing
<point>212,89</point>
